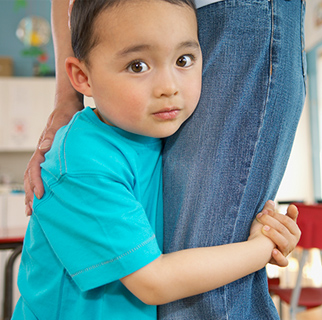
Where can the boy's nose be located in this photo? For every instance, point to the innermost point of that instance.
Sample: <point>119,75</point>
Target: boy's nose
<point>166,85</point>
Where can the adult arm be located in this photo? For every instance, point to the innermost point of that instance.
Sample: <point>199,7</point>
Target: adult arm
<point>67,102</point>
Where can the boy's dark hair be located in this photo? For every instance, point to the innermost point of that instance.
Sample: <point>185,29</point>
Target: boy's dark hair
<point>83,16</point>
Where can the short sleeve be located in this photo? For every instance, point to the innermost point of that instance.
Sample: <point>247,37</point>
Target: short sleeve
<point>96,227</point>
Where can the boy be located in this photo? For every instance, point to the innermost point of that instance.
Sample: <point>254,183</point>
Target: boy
<point>93,246</point>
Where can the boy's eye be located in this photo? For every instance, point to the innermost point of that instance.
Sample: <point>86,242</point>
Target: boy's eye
<point>137,67</point>
<point>185,61</point>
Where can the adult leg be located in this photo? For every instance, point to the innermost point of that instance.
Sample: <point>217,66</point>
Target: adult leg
<point>229,158</point>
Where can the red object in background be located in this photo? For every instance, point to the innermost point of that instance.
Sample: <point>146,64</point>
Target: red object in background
<point>11,235</point>
<point>43,57</point>
<point>310,223</point>
<point>302,298</point>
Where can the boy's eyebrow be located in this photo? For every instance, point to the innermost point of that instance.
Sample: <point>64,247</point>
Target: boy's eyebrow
<point>189,44</point>
<point>144,47</point>
<point>133,49</point>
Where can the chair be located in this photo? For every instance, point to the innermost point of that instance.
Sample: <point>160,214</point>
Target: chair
<point>10,239</point>
<point>302,298</point>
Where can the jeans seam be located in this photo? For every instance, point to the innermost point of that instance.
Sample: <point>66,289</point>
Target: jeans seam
<point>270,73</point>
<point>304,67</point>
<point>269,81</point>
<point>225,301</point>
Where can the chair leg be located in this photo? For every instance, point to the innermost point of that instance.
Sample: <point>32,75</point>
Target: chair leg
<point>297,289</point>
<point>8,286</point>
<point>281,309</point>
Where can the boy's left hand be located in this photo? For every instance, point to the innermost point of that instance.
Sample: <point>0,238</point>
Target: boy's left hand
<point>282,230</point>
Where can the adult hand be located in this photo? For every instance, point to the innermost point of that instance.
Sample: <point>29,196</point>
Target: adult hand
<point>67,102</point>
<point>32,177</point>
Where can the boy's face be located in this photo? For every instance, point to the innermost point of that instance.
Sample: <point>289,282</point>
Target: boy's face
<point>145,72</point>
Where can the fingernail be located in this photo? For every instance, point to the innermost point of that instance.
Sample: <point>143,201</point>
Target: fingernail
<point>28,211</point>
<point>272,203</point>
<point>262,213</point>
<point>36,192</point>
<point>45,145</point>
<point>266,228</point>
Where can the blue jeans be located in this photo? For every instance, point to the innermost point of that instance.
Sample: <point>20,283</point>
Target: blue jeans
<point>228,159</point>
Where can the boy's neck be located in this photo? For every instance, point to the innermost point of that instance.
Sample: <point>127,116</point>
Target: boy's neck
<point>101,118</point>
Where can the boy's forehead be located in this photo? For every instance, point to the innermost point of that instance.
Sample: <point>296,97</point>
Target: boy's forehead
<point>141,18</point>
<point>147,7</point>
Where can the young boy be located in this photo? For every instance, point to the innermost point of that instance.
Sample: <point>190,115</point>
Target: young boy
<point>93,248</point>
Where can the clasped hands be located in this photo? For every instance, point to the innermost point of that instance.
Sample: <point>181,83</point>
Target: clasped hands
<point>281,229</point>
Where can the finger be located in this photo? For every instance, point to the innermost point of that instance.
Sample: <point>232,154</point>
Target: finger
<point>55,121</point>
<point>292,212</point>
<point>28,194</point>
<point>36,181</point>
<point>282,223</point>
<point>28,210</point>
<point>28,190</point>
<point>279,223</point>
<point>284,243</point>
<point>269,205</point>
<point>45,145</point>
<point>47,137</point>
<point>279,259</point>
<point>32,178</point>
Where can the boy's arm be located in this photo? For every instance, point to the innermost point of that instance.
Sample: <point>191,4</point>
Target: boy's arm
<point>189,272</point>
<point>67,101</point>
<point>193,271</point>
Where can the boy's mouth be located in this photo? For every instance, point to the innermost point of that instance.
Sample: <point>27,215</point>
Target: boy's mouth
<point>167,113</point>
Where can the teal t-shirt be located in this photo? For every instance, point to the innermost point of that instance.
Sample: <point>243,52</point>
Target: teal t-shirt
<point>99,220</point>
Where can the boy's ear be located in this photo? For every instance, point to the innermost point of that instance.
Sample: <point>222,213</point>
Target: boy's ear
<point>77,73</point>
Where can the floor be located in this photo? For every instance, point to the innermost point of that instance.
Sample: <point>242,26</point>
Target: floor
<point>313,314</point>
<point>309,315</point>
<point>312,277</point>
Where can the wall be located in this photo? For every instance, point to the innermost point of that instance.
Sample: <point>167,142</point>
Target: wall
<point>297,183</point>
<point>10,45</point>
<point>313,23</point>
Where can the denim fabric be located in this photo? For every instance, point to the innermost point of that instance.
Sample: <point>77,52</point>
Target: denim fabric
<point>230,156</point>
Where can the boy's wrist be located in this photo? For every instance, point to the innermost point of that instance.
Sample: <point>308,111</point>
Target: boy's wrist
<point>261,239</point>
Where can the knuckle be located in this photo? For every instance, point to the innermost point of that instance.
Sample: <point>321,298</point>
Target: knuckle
<point>280,228</point>
<point>298,235</point>
<point>285,220</point>
<point>284,245</point>
<point>271,212</point>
